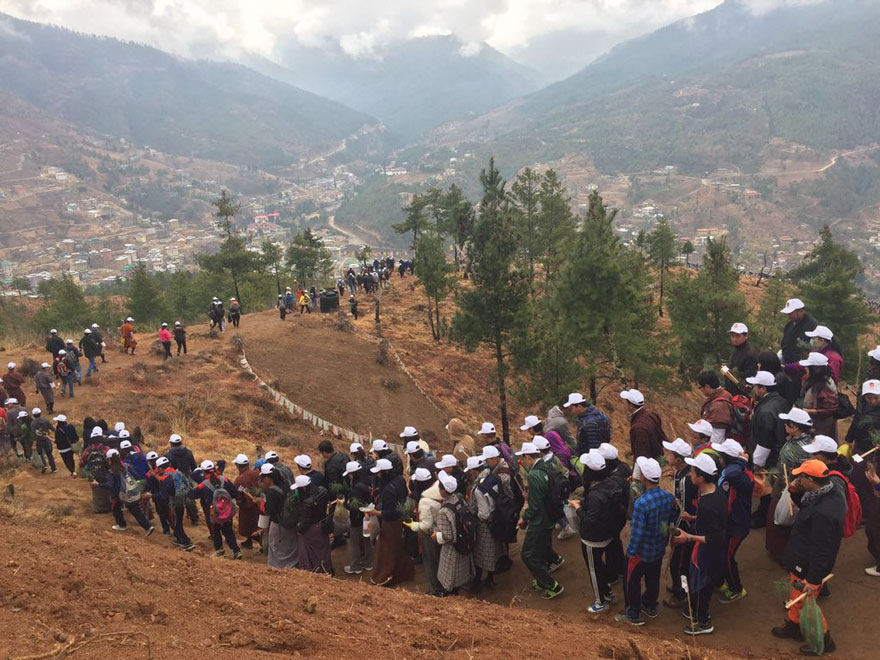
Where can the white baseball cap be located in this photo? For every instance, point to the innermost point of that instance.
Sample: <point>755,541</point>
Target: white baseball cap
<point>129,319</point>
<point>53,331</point>
<point>490,451</point>
<point>151,456</point>
<point>475,462</point>
<point>792,305</point>
<point>530,422</point>
<point>303,461</point>
<point>593,460</point>
<point>351,467</point>
<point>96,432</point>
<point>301,481</point>
<point>449,483</point>
<point>528,449</point>
<point>574,399</point>
<point>22,413</point>
<point>739,329</point>
<point>44,365</point>
<point>124,433</point>
<point>797,416</point>
<point>110,453</point>
<point>62,352</point>
<point>821,331</point>
<point>60,418</point>
<point>87,331</point>
<point>267,468</point>
<point>206,465</point>
<point>421,474</point>
<point>409,432</point>
<point>679,447</point>
<point>10,365</point>
<point>355,446</point>
<point>814,360</point>
<point>447,461</point>
<point>125,444</point>
<point>68,341</point>
<point>162,461</point>
<point>871,387</point>
<point>633,396</point>
<point>487,428</point>
<point>119,426</point>
<point>703,462</point>
<point>729,447</point>
<point>821,443</point>
<point>875,353</point>
<point>649,468</point>
<point>382,465</point>
<point>541,443</point>
<point>270,455</point>
<point>379,445</point>
<point>175,439</point>
<point>608,451</point>
<point>701,426</point>
<point>412,447</point>
<point>241,459</point>
<point>11,401</point>
<point>36,411</point>
<point>763,378</point>
<point>95,325</point>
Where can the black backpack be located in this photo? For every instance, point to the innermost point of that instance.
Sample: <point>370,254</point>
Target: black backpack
<point>558,492</point>
<point>465,528</point>
<point>97,465</point>
<point>502,524</point>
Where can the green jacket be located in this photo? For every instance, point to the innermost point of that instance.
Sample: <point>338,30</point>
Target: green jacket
<point>539,488</point>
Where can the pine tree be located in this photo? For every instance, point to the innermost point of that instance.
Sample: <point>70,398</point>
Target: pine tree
<point>765,329</point>
<point>459,220</point>
<point>144,299</point>
<point>435,276</point>
<point>490,312</point>
<point>233,256</point>
<point>525,196</point>
<point>662,248</point>
<point>272,257</point>
<point>66,308</point>
<point>308,258</point>
<point>556,224</point>
<point>227,209</point>
<point>416,219</point>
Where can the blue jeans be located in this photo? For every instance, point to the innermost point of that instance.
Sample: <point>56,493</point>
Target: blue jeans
<point>67,383</point>
<point>92,367</point>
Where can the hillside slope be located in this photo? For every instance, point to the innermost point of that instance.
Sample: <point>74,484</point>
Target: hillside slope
<point>193,108</point>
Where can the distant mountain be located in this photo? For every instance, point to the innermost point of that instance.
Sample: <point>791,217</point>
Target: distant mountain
<point>198,108</point>
<point>411,87</point>
<point>709,91</point>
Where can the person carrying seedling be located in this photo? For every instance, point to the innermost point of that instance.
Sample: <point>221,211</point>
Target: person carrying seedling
<point>810,554</point>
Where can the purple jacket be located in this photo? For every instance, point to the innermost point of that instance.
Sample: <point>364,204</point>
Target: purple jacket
<point>559,448</point>
<point>835,361</point>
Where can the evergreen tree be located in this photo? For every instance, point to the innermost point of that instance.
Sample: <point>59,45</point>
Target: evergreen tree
<point>826,281</point>
<point>490,312</point>
<point>556,223</point>
<point>20,284</point>
<point>703,307</point>
<point>144,298</point>
<point>66,308</point>
<point>227,209</point>
<point>687,249</point>
<point>435,276</point>
<point>459,220</point>
<point>272,257</point>
<point>308,258</point>
<point>233,259</point>
<point>662,248</point>
<point>416,219</point>
<point>765,330</point>
<point>525,195</point>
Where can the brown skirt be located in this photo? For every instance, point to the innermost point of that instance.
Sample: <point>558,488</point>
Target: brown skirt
<point>775,537</point>
<point>391,564</point>
<point>248,519</point>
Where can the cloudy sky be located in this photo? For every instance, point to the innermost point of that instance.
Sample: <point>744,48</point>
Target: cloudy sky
<point>570,30</point>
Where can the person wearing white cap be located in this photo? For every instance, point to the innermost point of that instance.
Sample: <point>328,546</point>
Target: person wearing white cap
<point>463,445</point>
<point>795,332</point>
<point>646,436</point>
<point>98,337</point>
<point>737,483</point>
<point>600,513</point>
<point>44,381</point>
<point>562,477</point>
<point>822,341</point>
<point>409,433</point>
<point>701,435</point>
<point>866,421</point>
<point>484,492</point>
<point>165,339</point>
<point>303,464</point>
<point>182,460</point>
<point>537,548</point>
<point>490,437</point>
<point>418,457</point>
<point>279,509</point>
<point>707,531</point>
<point>593,427</point>
<point>247,480</point>
<point>359,494</point>
<point>315,526</point>
<point>652,512</point>
<point>820,394</point>
<point>54,343</point>
<point>234,312</point>
<point>40,429</point>
<point>125,492</point>
<point>217,313</point>
<point>127,331</point>
<point>508,504</point>
<point>454,568</point>
<point>534,427</point>
<point>718,407</point>
<point>425,488</point>
<point>65,438</point>
<point>380,449</point>
<point>12,383</point>
<point>391,563</point>
<point>71,357</point>
<point>218,496</point>
<point>90,349</point>
<point>743,360</point>
<point>285,470</point>
<point>686,493</point>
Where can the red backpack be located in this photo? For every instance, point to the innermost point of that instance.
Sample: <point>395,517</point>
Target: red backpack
<point>741,409</point>
<point>853,507</point>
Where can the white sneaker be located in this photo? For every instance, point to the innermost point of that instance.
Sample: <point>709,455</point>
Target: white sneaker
<point>119,529</point>
<point>873,571</point>
<point>566,533</point>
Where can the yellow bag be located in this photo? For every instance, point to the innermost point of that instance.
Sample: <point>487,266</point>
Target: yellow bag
<point>845,450</point>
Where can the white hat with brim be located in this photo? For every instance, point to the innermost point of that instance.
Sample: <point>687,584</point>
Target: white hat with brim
<point>270,455</point>
<point>125,444</point>
<point>487,428</point>
<point>421,474</point>
<point>162,461</point>
<point>152,456</point>
<point>875,354</point>
<point>574,399</point>
<point>11,401</point>
<point>97,432</point>
<point>60,418</point>
<point>738,329</point>
<point>22,413</point>
<point>814,360</point>
<point>445,462</point>
<point>409,432</point>
<point>762,378</point>
<point>528,449</point>
<point>10,365</point>
<point>301,481</point>
<point>823,444</point>
<point>797,416</point>
<point>541,443</point>
<point>175,439</point>
<point>530,422</point>
<point>871,387</point>
<point>608,451</point>
<point>679,447</point>
<point>303,461</point>
<point>649,468</point>
<point>44,365</point>
<point>821,331</point>
<point>449,483</point>
<point>111,453</point>
<point>635,397</point>
<point>490,451</point>
<point>412,447</point>
<point>703,462</point>
<point>351,467</point>
<point>701,426</point>
<point>241,459</point>
<point>475,463</point>
<point>379,445</point>
<point>593,460</point>
<point>729,447</point>
<point>206,465</point>
<point>382,465</point>
<point>792,305</point>
<point>355,447</point>
<point>267,468</point>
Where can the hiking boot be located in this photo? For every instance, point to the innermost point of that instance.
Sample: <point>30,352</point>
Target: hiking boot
<point>650,612</point>
<point>675,602</point>
<point>730,596</point>
<point>566,533</point>
<point>151,530</point>
<point>788,630</point>
<point>554,566</point>
<point>119,528</point>
<point>352,571</point>
<point>553,592</point>
<point>830,647</point>
<point>697,628</point>
<point>873,571</point>
<point>598,608</point>
<point>623,618</point>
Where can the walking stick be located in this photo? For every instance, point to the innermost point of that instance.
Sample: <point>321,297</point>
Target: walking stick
<point>794,601</point>
<point>787,484</point>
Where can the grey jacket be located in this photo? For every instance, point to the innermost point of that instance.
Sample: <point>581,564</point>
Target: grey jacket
<point>556,421</point>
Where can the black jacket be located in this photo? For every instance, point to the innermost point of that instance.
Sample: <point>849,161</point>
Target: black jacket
<point>313,507</point>
<point>793,335</point>
<point>744,363</point>
<point>816,535</point>
<point>865,422</point>
<point>766,429</point>
<point>360,495</point>
<point>602,509</point>
<point>65,436</point>
<point>334,467</point>
<point>90,347</point>
<point>181,459</point>
<point>54,344</point>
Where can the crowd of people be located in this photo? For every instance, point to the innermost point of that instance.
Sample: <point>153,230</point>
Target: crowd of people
<point>764,453</point>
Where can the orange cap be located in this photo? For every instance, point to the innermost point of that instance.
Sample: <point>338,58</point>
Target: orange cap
<point>812,468</point>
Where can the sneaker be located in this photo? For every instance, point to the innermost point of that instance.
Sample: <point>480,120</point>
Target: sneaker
<point>788,630</point>
<point>151,530</point>
<point>610,598</point>
<point>190,547</point>
<point>598,608</point>
<point>613,582</point>
<point>554,566</point>
<point>54,470</point>
<point>553,592</point>
<point>650,612</point>
<point>43,470</point>
<point>236,554</point>
<point>119,528</point>
<point>368,568</point>
<point>623,618</point>
<point>352,571</point>
<point>166,532</point>
<point>697,628</point>
<point>675,602</point>
<point>248,545</point>
<point>533,586</point>
<point>566,533</point>
<point>873,571</point>
<point>219,553</point>
<point>730,596</point>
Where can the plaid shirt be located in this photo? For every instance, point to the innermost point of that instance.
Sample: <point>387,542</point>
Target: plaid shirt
<point>647,538</point>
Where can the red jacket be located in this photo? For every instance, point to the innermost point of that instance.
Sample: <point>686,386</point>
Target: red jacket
<point>646,436</point>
